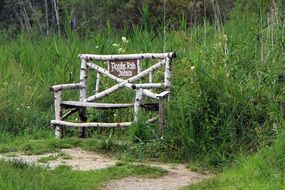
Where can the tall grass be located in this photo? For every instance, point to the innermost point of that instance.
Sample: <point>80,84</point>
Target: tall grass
<point>264,170</point>
<point>225,96</point>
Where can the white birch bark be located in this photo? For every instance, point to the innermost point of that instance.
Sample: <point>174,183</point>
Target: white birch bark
<point>93,124</point>
<point>57,110</point>
<point>83,96</point>
<point>138,100</point>
<point>61,87</point>
<point>90,57</point>
<point>97,88</point>
<point>95,105</point>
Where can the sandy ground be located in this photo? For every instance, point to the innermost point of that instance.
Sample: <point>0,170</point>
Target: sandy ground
<point>80,159</point>
<point>177,175</point>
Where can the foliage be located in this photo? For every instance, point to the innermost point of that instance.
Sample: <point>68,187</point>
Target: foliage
<point>18,175</point>
<point>262,171</point>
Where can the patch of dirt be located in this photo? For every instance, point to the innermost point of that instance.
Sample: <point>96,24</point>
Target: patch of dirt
<point>79,159</point>
<point>177,175</point>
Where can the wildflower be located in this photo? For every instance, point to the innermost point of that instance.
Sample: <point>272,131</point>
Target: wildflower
<point>96,47</point>
<point>17,109</point>
<point>124,39</point>
<point>115,45</point>
<point>28,107</point>
<point>121,50</point>
<point>192,68</point>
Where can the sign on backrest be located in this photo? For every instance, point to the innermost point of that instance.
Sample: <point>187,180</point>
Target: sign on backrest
<point>123,68</point>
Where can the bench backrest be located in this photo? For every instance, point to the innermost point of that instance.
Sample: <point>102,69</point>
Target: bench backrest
<point>125,70</point>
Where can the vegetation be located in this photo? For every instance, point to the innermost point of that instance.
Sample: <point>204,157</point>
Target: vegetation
<point>18,175</point>
<point>225,101</point>
<point>264,170</point>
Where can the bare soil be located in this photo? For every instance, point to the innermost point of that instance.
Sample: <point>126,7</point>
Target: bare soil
<point>177,175</point>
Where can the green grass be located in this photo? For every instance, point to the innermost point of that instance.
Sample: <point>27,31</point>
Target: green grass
<point>17,175</point>
<point>265,170</point>
<point>47,159</point>
<point>56,156</point>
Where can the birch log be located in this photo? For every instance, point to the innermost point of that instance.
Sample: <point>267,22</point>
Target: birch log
<point>71,104</point>
<point>161,114</point>
<point>150,78</point>
<point>90,57</point>
<point>57,110</point>
<point>167,75</point>
<point>83,95</point>
<point>97,87</point>
<point>148,85</point>
<point>93,124</point>
<point>61,87</point>
<point>139,66</point>
<point>138,100</point>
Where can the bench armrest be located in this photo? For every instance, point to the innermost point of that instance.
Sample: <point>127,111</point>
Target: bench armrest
<point>61,87</point>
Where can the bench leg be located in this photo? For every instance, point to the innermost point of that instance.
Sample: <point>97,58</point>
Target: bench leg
<point>82,119</point>
<point>161,114</point>
<point>138,100</point>
<point>57,110</point>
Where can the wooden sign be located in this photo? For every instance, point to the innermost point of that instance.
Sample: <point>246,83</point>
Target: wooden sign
<point>123,68</point>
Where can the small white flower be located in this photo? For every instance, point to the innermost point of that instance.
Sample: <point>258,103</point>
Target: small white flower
<point>96,47</point>
<point>124,39</point>
<point>28,107</point>
<point>227,74</point>
<point>192,68</point>
<point>115,45</point>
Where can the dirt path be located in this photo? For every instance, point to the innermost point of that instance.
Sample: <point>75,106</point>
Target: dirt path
<point>177,175</point>
<point>78,159</point>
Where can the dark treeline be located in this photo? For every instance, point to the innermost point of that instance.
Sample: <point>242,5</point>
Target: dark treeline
<point>54,16</point>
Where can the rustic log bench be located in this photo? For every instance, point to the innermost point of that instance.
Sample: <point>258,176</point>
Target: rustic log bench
<point>125,70</point>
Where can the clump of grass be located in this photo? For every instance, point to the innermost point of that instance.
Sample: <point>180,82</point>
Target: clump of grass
<point>47,159</point>
<point>55,156</point>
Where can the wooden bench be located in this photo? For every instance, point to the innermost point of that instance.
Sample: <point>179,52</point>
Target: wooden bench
<point>125,70</point>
